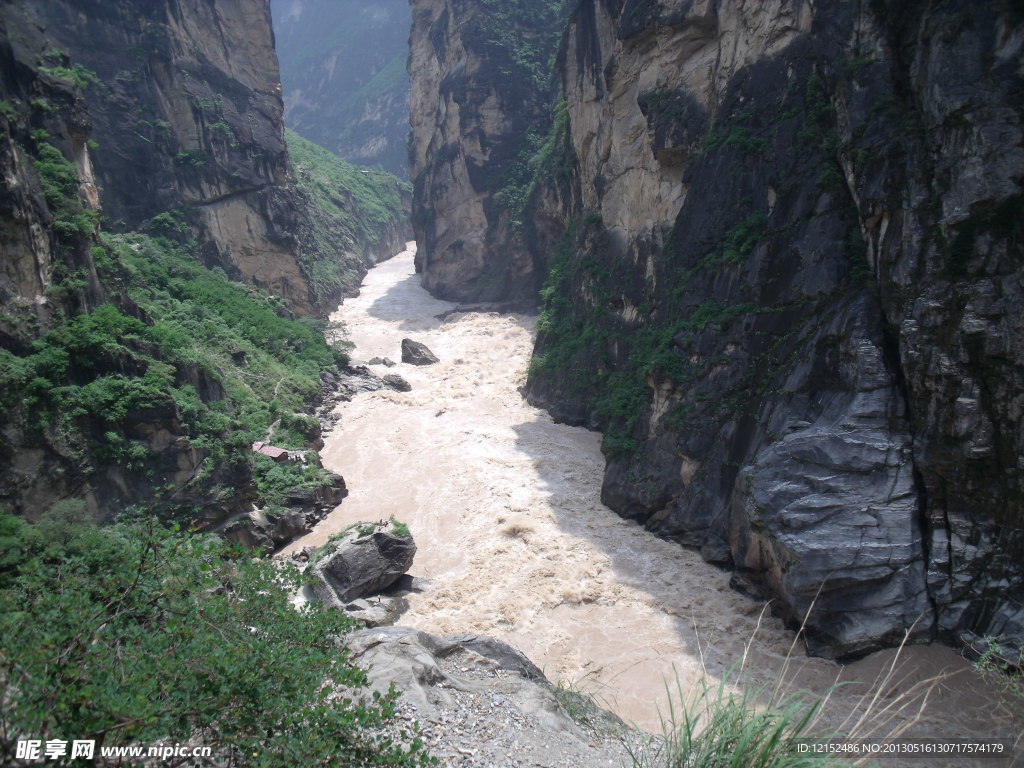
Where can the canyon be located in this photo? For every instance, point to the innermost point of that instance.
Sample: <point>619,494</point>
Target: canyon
<point>726,297</point>
<point>779,246</point>
<point>513,541</point>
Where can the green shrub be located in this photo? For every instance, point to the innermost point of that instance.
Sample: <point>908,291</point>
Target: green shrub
<point>57,175</point>
<point>400,528</point>
<point>1003,669</point>
<point>193,158</point>
<point>8,110</point>
<point>76,76</point>
<point>139,636</point>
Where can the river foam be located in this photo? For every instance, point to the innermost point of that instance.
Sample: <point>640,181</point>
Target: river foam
<point>513,539</point>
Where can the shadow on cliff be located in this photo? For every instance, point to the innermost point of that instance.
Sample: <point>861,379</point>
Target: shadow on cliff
<point>715,625</point>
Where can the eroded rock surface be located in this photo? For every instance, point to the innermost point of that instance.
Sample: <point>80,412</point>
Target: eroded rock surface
<point>481,702</point>
<point>364,560</point>
<point>784,251</point>
<point>478,100</point>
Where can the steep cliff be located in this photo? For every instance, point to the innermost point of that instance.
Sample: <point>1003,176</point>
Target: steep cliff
<point>185,103</point>
<point>479,111</point>
<point>788,287</point>
<point>344,76</point>
<point>134,367</point>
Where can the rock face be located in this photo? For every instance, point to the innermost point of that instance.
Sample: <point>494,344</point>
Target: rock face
<point>365,560</point>
<point>396,382</point>
<point>187,113</point>
<point>417,353</point>
<point>268,531</point>
<point>163,117</point>
<point>784,277</point>
<point>343,73</point>
<point>479,106</point>
<point>480,701</point>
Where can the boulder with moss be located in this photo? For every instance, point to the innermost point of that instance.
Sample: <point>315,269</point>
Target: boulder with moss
<point>362,560</point>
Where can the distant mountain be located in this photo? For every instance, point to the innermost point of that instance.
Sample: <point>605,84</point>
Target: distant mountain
<point>344,78</point>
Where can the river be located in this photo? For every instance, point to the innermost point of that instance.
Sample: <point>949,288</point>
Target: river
<point>514,542</point>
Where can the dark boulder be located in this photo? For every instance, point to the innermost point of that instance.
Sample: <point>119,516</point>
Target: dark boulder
<point>396,383</point>
<point>361,561</point>
<point>415,353</point>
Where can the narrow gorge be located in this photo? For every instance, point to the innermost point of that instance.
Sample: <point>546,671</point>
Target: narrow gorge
<point>779,252</point>
<point>514,542</point>
<point>722,309</point>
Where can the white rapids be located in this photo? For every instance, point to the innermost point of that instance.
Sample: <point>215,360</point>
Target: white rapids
<point>512,537</point>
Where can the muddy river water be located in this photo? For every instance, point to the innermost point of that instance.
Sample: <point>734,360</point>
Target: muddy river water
<point>514,542</point>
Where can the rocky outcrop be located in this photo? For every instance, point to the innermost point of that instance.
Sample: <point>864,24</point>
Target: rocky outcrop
<point>364,560</point>
<point>479,106</point>
<point>784,246</point>
<point>268,530</point>
<point>480,701</point>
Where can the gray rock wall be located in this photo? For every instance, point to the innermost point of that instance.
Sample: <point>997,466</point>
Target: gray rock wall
<point>788,290</point>
<point>478,110</point>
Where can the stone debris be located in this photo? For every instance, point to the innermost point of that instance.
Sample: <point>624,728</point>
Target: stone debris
<point>479,702</point>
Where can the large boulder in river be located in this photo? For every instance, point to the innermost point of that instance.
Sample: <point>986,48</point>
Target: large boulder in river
<point>363,560</point>
<point>415,353</point>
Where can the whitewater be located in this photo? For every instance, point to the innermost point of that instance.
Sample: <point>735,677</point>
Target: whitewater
<point>513,541</point>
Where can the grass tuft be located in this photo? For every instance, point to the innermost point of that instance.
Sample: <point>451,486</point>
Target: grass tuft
<point>730,724</point>
<point>718,727</point>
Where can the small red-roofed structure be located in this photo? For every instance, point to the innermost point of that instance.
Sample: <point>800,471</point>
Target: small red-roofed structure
<point>280,455</point>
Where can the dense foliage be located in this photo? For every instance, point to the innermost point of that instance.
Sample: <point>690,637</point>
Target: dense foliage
<point>366,199</point>
<point>141,636</point>
<point>176,324</point>
<point>350,208</point>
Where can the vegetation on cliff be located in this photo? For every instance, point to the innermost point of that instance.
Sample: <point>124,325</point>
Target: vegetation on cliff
<point>354,216</point>
<point>137,636</point>
<point>180,344</point>
<point>344,78</point>
<point>152,372</point>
